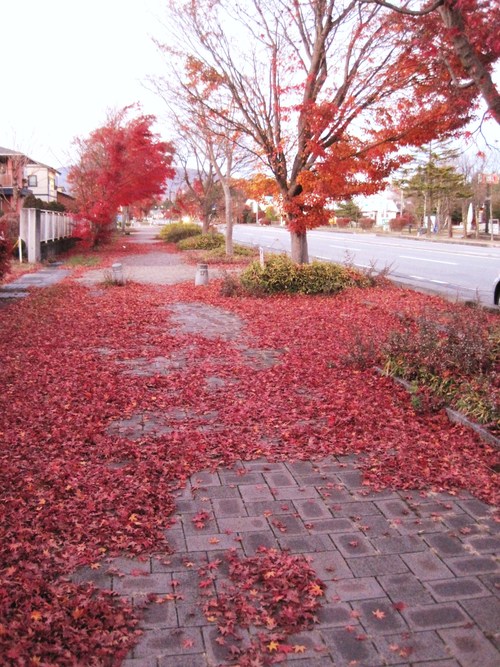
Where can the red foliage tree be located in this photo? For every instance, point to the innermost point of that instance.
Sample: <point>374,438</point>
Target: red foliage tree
<point>466,49</point>
<point>328,92</point>
<point>121,163</point>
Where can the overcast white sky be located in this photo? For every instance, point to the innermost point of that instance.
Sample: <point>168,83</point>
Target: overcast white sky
<point>66,63</point>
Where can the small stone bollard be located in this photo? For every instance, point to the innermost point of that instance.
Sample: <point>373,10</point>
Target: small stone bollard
<point>117,270</point>
<point>201,277</point>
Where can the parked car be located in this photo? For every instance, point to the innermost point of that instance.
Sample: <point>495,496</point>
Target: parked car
<point>496,291</point>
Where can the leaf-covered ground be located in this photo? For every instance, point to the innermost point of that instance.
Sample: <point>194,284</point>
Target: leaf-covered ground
<point>79,364</point>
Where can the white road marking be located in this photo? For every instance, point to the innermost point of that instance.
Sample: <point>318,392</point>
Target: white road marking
<point>423,259</point>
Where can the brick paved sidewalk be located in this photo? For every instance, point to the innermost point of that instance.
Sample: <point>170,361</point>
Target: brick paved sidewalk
<point>410,579</point>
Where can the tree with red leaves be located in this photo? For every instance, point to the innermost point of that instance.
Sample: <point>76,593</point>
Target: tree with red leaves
<point>328,91</point>
<point>120,164</point>
<point>468,46</point>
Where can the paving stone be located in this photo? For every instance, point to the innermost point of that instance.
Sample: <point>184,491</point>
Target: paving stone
<point>419,527</point>
<point>310,543</point>
<point>300,467</point>
<point>413,648</point>
<point>487,544</point>
<point>190,506</point>
<point>352,510</point>
<point>436,508</point>
<point>294,492</point>
<point>491,581</point>
<point>194,660</point>
<point>476,508</point>
<point>190,613</point>
<point>99,578</point>
<point>377,565</point>
<point>246,477</point>
<point>398,545</point>
<point>485,611</point>
<point>275,507</point>
<point>457,589</point>
<point>209,542</point>
<point>349,649</point>
<point>395,509</point>
<point>330,526</point>
<point>242,524</point>
<point>352,479</point>
<point>353,545</point>
<point>379,616</point>
<point>169,642</point>
<point>329,565</point>
<point>176,540</point>
<point>275,478</point>
<point>435,616</point>
<point>335,495</point>
<point>376,525</point>
<point>287,524</point>
<point>312,508</point>
<point>426,566</point>
<point>178,562</point>
<point>252,541</point>
<point>155,583</point>
<point>405,588</point>
<point>262,465</point>
<point>205,478</point>
<point>321,482</point>
<point>470,647</point>
<point>159,616</point>
<point>192,526</point>
<point>462,521</point>
<point>140,662</point>
<point>361,588</point>
<point>366,493</point>
<point>255,492</point>
<point>229,507</point>
<point>446,545</point>
<point>334,615</point>
<point>472,565</point>
<point>215,492</point>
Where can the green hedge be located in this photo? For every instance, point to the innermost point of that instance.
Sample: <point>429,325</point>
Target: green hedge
<point>281,274</point>
<point>179,230</point>
<point>202,242</point>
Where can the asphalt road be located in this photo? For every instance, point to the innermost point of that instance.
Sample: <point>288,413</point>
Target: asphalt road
<point>457,271</point>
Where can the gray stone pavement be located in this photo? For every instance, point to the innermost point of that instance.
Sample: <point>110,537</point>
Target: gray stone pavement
<point>19,288</point>
<point>410,579</point>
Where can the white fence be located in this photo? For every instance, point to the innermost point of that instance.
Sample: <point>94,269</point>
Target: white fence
<point>38,226</point>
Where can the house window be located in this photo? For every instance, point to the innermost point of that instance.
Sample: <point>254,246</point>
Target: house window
<point>32,181</point>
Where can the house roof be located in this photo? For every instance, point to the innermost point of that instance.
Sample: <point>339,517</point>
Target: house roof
<point>5,152</point>
<point>8,151</point>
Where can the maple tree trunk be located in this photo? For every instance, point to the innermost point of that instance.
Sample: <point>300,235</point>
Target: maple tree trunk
<point>300,253</point>
<point>452,18</point>
<point>205,224</point>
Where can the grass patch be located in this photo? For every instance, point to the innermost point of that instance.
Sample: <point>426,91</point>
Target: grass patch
<point>83,260</point>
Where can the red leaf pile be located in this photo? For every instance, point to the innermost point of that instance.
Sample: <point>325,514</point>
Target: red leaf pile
<point>274,593</point>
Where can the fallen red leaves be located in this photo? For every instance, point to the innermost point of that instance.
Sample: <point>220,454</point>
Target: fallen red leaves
<point>74,491</point>
<point>275,594</point>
